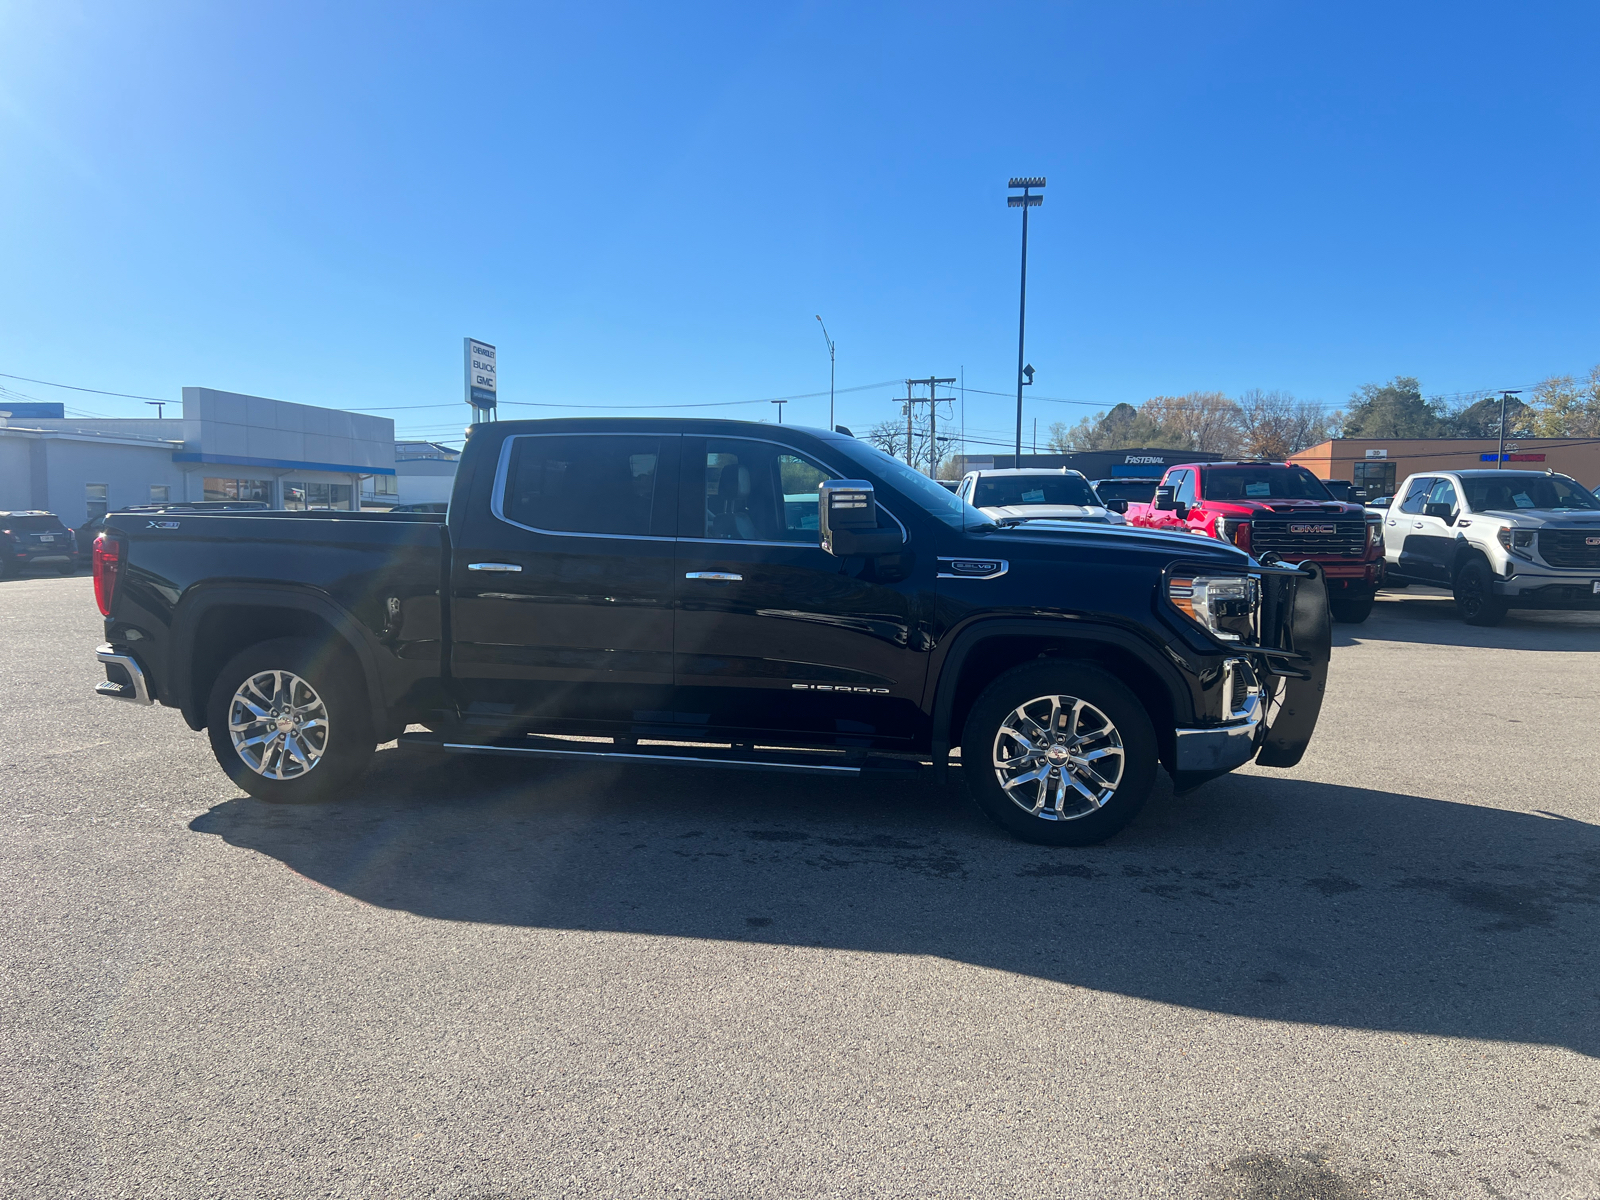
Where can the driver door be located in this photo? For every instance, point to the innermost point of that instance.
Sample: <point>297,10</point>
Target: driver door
<point>774,636</point>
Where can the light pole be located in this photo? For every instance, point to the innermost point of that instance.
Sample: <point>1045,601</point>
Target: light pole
<point>1025,201</point>
<point>159,407</point>
<point>780,404</point>
<point>1500,458</point>
<point>829,340</point>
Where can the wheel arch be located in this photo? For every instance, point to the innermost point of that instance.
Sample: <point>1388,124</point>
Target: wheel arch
<point>965,672</point>
<point>214,624</point>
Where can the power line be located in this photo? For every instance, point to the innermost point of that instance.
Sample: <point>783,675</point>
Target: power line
<point>73,388</point>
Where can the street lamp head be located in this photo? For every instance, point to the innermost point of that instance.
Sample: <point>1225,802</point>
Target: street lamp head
<point>1024,201</point>
<point>1032,181</point>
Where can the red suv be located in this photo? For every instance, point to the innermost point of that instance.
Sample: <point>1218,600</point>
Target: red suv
<point>1277,507</point>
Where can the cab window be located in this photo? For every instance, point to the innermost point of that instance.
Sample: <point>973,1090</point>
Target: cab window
<point>754,491</point>
<point>1417,494</point>
<point>1442,492</point>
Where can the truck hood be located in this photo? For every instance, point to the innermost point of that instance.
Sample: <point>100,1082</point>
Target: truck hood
<point>1283,508</point>
<point>1086,533</point>
<point>1541,518</point>
<point>1054,512</point>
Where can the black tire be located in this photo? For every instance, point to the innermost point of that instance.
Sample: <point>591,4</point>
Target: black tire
<point>347,740</point>
<point>1352,609</point>
<point>1476,603</point>
<point>1037,681</point>
<point>69,569</point>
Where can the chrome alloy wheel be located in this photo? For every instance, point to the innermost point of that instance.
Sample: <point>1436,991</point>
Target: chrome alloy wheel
<point>279,725</point>
<point>1058,758</point>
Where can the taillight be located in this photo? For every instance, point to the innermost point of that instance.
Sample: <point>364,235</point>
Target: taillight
<point>107,567</point>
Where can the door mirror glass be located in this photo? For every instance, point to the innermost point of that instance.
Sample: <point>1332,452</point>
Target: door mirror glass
<point>848,516</point>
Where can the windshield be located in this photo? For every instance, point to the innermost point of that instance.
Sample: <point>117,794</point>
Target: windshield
<point>1509,492</point>
<point>1002,491</point>
<point>927,493</point>
<point>34,524</point>
<point>1262,483</point>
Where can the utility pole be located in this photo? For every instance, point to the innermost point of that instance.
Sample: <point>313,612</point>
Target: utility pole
<point>1500,458</point>
<point>1025,201</point>
<point>932,400</point>
<point>829,340</point>
<point>780,404</point>
<point>160,411</point>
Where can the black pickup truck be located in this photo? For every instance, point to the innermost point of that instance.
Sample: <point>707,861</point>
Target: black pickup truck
<point>717,593</point>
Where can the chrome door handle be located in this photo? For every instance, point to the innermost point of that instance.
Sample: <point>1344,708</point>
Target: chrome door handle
<point>493,567</point>
<point>1416,524</point>
<point>722,576</point>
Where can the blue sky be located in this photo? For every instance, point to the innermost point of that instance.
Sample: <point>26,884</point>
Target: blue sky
<point>647,204</point>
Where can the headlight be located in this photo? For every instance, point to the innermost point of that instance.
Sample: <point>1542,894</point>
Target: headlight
<point>1374,533</point>
<point>1517,541</point>
<point>1224,604</point>
<point>1235,530</point>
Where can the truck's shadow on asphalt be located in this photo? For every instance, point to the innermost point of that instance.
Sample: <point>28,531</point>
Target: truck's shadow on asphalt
<point>1257,896</point>
<point>1428,616</point>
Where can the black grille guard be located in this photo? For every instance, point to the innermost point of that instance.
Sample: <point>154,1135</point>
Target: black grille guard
<point>1296,642</point>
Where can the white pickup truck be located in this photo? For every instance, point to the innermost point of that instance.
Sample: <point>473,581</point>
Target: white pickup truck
<point>1498,539</point>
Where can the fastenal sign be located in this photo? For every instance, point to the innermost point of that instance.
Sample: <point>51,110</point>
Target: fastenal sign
<point>481,389</point>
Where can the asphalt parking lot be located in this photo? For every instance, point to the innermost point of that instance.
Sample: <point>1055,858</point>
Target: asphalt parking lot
<point>1377,974</point>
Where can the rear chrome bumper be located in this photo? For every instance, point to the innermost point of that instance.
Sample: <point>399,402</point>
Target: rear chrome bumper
<point>136,690</point>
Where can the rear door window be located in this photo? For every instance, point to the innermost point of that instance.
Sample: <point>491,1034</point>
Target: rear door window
<point>608,484</point>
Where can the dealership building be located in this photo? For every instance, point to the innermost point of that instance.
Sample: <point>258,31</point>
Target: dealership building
<point>1379,464</point>
<point>1094,464</point>
<point>225,446</point>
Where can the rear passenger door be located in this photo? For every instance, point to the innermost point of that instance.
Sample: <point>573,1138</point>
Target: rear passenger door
<point>775,637</point>
<point>561,595</point>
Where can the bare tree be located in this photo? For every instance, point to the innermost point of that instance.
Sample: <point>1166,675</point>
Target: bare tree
<point>1275,425</point>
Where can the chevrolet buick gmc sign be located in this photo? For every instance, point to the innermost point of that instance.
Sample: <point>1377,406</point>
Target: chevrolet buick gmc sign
<point>481,389</point>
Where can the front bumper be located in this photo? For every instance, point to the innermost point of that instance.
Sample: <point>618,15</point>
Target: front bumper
<point>1218,748</point>
<point>1538,588</point>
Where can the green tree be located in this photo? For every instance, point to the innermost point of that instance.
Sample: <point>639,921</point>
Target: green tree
<point>1481,419</point>
<point>1393,410</point>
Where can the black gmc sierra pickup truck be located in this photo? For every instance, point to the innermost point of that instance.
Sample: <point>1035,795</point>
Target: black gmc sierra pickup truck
<point>717,593</point>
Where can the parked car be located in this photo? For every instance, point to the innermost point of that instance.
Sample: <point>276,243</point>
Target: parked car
<point>1345,491</point>
<point>91,528</point>
<point>34,538</point>
<point>1498,539</point>
<point>1023,494</point>
<point>1276,508</point>
<point>692,589</point>
<point>1129,491</point>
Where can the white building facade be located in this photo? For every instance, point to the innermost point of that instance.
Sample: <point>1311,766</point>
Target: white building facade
<point>226,446</point>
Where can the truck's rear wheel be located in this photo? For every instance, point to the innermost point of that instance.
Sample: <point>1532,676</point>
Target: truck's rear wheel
<point>285,722</point>
<point>1059,753</point>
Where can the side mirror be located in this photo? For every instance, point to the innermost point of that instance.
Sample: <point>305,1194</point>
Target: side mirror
<point>1117,506</point>
<point>847,520</point>
<point>1164,501</point>
<point>1445,512</point>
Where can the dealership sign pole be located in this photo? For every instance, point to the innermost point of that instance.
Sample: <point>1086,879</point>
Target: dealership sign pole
<point>480,375</point>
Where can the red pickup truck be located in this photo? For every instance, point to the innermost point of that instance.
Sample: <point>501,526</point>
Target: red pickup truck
<point>1277,507</point>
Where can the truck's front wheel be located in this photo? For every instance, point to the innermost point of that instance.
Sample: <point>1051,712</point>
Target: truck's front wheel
<point>285,722</point>
<point>1353,607</point>
<point>1059,753</point>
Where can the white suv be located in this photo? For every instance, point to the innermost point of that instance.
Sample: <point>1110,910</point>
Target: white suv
<point>1498,539</point>
<point>1034,494</point>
